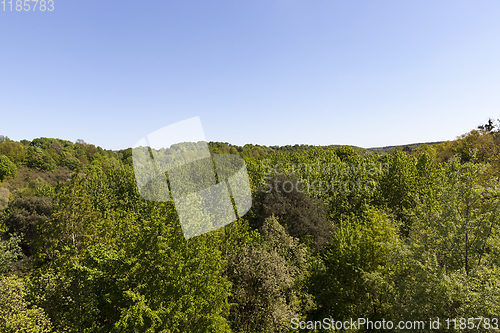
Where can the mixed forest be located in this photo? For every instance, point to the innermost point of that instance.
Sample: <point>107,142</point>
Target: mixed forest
<point>404,233</point>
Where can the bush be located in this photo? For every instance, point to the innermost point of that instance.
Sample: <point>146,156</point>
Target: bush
<point>16,313</point>
<point>7,168</point>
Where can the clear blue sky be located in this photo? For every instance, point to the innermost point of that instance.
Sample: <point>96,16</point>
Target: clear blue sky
<point>274,72</point>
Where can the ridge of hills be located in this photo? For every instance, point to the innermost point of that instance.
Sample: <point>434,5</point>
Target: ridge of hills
<point>60,158</point>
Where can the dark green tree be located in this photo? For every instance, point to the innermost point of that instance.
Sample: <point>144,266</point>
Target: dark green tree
<point>26,215</point>
<point>265,275</point>
<point>302,216</point>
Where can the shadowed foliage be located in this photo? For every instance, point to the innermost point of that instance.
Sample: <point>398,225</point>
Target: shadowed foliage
<point>302,216</point>
<point>26,214</point>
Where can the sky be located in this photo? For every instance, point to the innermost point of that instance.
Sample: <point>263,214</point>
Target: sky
<point>270,72</point>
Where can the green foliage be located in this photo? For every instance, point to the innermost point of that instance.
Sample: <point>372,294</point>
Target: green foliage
<point>126,156</point>
<point>462,224</point>
<point>7,168</point>
<point>408,180</point>
<point>108,266</point>
<point>358,269</point>
<point>302,216</point>
<point>70,162</point>
<point>418,238</point>
<point>10,253</point>
<point>26,215</point>
<point>409,148</point>
<point>264,274</point>
<point>345,153</point>
<point>16,313</point>
<point>40,160</point>
<point>15,151</point>
<point>187,274</point>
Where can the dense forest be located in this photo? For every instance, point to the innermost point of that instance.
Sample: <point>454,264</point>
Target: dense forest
<point>409,233</point>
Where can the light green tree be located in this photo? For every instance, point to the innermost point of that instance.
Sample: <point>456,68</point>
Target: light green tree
<point>16,313</point>
<point>463,222</point>
<point>7,168</point>
<point>354,278</point>
<point>450,266</point>
<point>112,262</point>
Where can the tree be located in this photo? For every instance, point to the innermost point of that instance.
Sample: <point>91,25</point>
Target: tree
<point>463,222</point>
<point>265,273</point>
<point>10,253</point>
<point>14,150</point>
<point>302,216</point>
<point>113,262</point>
<point>488,127</point>
<point>57,148</point>
<point>39,160</point>
<point>399,188</point>
<point>448,266</point>
<point>354,276</point>
<point>70,162</point>
<point>345,153</point>
<point>26,215</point>
<point>7,168</point>
<point>170,283</point>
<point>16,313</point>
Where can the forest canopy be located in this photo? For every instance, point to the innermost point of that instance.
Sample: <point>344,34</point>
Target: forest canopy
<point>404,233</point>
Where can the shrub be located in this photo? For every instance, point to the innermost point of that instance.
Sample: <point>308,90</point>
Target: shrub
<point>7,168</point>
